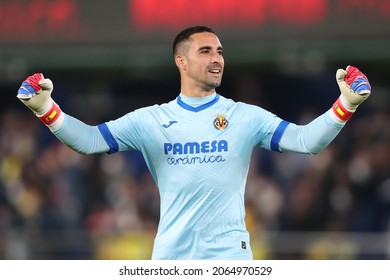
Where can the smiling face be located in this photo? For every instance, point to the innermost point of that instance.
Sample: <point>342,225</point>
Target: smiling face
<point>200,62</point>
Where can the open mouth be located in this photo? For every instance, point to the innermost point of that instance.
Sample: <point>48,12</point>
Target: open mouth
<point>215,71</point>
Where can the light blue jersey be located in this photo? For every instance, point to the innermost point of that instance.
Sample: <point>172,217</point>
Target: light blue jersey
<point>198,152</point>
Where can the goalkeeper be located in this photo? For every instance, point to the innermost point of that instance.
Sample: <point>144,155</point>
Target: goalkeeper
<point>198,146</point>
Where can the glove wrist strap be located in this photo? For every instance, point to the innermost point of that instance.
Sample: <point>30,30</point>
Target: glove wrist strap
<point>52,115</point>
<point>340,111</point>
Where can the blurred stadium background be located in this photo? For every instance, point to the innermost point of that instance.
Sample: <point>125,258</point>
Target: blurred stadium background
<point>108,58</point>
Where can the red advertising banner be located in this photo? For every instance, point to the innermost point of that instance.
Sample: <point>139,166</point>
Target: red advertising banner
<point>76,21</point>
<point>101,33</point>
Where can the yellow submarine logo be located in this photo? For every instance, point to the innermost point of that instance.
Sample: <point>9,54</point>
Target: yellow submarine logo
<point>220,122</point>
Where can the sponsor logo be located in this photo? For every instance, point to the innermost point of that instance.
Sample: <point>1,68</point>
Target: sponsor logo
<point>195,152</point>
<point>196,147</point>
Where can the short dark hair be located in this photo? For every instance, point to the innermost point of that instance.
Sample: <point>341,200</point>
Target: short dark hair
<point>185,34</point>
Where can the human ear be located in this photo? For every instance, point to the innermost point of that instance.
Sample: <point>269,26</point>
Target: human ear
<point>180,62</point>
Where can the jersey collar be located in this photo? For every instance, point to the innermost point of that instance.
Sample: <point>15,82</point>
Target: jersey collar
<point>198,108</point>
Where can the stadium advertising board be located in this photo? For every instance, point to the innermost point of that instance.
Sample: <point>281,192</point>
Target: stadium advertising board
<point>142,23</point>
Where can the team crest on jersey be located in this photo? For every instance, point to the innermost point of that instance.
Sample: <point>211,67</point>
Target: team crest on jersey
<point>220,122</point>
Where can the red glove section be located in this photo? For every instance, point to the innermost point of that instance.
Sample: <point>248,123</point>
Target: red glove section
<point>352,74</point>
<point>34,81</point>
<point>357,80</point>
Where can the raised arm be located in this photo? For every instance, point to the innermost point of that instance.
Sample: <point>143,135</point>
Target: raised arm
<point>315,136</point>
<point>35,93</point>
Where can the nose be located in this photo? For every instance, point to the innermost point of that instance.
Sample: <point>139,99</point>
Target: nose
<point>217,58</point>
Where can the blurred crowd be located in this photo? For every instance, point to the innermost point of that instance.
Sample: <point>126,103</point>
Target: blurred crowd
<point>57,204</point>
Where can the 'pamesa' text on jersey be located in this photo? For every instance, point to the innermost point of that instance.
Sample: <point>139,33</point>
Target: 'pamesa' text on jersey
<point>182,153</point>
